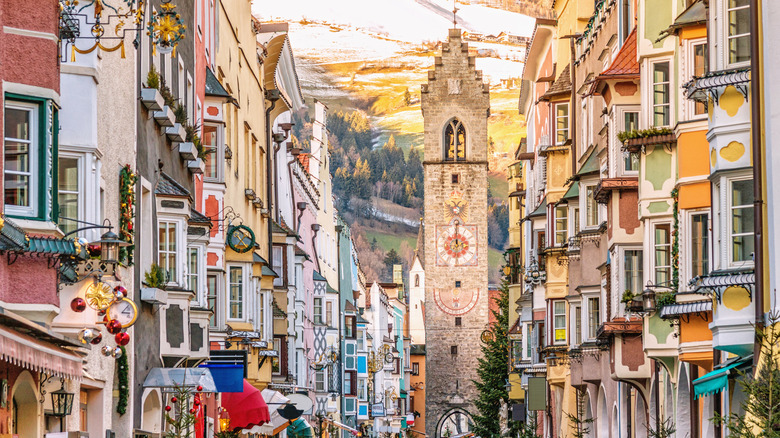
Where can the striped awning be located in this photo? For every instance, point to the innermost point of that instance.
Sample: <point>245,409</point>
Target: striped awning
<point>677,309</point>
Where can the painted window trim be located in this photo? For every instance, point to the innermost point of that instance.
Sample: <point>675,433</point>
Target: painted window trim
<point>651,241</point>
<point>584,202</point>
<point>565,231</point>
<point>201,298</point>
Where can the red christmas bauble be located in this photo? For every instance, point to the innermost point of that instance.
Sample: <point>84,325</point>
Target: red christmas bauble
<point>196,401</point>
<point>113,326</point>
<point>98,339</point>
<point>200,388</point>
<point>122,338</point>
<point>167,409</point>
<point>192,411</point>
<point>122,290</point>
<point>174,399</point>
<point>78,305</point>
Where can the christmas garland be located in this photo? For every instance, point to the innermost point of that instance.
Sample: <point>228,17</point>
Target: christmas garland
<point>676,240</point>
<point>122,371</point>
<point>127,181</point>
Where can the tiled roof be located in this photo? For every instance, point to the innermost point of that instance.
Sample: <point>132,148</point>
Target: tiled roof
<point>282,228</point>
<point>167,186</point>
<point>304,160</point>
<point>14,238</point>
<point>625,63</point>
<point>562,85</point>
<point>695,14</point>
<point>197,217</point>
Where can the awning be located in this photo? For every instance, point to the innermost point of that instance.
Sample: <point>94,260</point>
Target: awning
<point>541,210</point>
<point>300,428</point>
<point>34,353</point>
<point>716,380</point>
<point>342,426</point>
<point>227,377</point>
<point>686,308</point>
<point>573,192</point>
<point>180,378</point>
<point>246,409</point>
<point>275,400</point>
<point>591,165</point>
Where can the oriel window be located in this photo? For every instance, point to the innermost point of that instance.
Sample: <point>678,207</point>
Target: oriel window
<point>455,141</point>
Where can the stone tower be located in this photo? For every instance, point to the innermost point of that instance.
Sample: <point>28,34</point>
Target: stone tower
<point>455,107</point>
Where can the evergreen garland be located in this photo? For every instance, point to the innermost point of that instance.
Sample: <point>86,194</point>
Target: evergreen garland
<point>676,240</point>
<point>122,372</point>
<point>493,371</point>
<point>127,181</point>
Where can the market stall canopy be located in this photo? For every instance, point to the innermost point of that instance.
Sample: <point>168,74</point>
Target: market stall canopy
<point>275,400</point>
<point>180,378</point>
<point>246,409</point>
<point>300,428</point>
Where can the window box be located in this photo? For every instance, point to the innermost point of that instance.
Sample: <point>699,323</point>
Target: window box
<point>152,295</point>
<point>635,145</point>
<point>196,166</point>
<point>188,151</point>
<point>176,132</point>
<point>152,99</point>
<point>164,117</point>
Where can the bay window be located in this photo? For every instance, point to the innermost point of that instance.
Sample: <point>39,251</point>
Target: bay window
<point>738,31</point>
<point>236,292</point>
<point>741,225</point>
<point>68,188</point>
<point>561,225</point>
<point>661,100</point>
<point>594,317</point>
<point>561,123</point>
<point>662,254</point>
<point>167,250</point>
<point>559,322</point>
<point>21,146</point>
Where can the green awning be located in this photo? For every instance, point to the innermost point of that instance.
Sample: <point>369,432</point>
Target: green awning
<point>716,380</point>
<point>573,192</point>
<point>591,164</point>
<point>300,428</point>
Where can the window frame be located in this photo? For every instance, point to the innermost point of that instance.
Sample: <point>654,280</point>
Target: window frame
<point>201,292</point>
<point>688,71</point>
<point>651,100</point>
<point>279,265</point>
<point>81,214</point>
<point>219,153</point>
<point>564,231</point>
<point>593,325</point>
<point>620,114</point>
<point>244,292</point>
<point>320,381</point>
<point>555,323</point>
<point>726,39</point>
<point>215,319</point>
<point>317,310</point>
<point>655,247</point>
<point>575,313</point>
<point>557,118</point>
<point>587,202</point>
<point>180,250</point>
<point>37,171</point>
<point>730,223</point>
<point>688,245</point>
<point>456,124</point>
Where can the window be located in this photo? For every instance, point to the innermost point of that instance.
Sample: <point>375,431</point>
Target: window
<point>361,389</point>
<point>662,250</point>
<point>632,271</point>
<point>741,224</point>
<point>738,33</point>
<point>700,68</point>
<point>276,367</point>
<point>21,158</point>
<point>517,352</point>
<point>68,187</point>
<point>329,313</point>
<point>263,304</point>
<point>416,280</point>
<point>561,123</point>
<point>457,321</point>
<point>236,287</point>
<point>415,368</point>
<point>318,310</point>
<point>591,208</point>
<point>211,297</point>
<point>630,159</point>
<point>561,225</point>
<point>193,271</point>
<point>455,141</point>
<point>453,350</point>
<point>700,244</point>
<point>576,216</point>
<point>350,327</point>
<point>278,265</point>
<point>319,381</point>
<point>167,250</point>
<point>559,322</point>
<point>661,94</point>
<point>594,317</point>
<point>577,313</point>
<point>455,178</point>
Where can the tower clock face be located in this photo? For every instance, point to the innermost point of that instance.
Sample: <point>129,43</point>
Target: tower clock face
<point>456,245</point>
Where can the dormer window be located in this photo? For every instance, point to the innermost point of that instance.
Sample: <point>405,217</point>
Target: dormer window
<point>454,141</point>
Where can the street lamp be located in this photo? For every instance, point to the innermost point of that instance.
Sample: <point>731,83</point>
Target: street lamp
<point>109,247</point>
<point>648,299</point>
<point>61,404</point>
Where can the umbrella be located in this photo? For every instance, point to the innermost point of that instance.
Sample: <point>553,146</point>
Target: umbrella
<point>247,408</point>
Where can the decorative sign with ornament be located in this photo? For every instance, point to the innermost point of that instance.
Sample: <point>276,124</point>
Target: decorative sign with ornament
<point>118,311</point>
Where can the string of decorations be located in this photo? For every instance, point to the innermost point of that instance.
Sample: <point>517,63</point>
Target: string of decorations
<point>122,372</point>
<point>127,180</point>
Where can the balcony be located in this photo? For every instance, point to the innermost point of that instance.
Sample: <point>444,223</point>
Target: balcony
<point>733,309</point>
<point>607,185</point>
<point>624,337</point>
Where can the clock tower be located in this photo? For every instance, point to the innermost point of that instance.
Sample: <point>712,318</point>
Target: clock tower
<point>455,107</point>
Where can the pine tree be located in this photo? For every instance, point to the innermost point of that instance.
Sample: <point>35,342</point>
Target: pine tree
<point>761,417</point>
<point>493,370</point>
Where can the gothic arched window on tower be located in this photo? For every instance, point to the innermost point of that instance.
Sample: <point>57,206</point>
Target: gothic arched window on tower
<point>416,280</point>
<point>455,141</point>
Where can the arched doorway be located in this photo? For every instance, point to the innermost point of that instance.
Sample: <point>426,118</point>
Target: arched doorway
<point>151,414</point>
<point>454,422</point>
<point>602,418</point>
<point>26,408</point>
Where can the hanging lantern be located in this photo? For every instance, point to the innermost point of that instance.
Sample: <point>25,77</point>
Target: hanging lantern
<point>166,29</point>
<point>224,420</point>
<point>61,402</point>
<point>109,247</point>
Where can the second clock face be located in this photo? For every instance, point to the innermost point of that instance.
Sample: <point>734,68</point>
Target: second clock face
<point>456,245</point>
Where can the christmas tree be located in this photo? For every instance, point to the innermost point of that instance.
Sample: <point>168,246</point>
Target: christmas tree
<point>493,370</point>
<point>185,406</point>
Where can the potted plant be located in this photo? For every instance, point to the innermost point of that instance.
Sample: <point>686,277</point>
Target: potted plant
<point>151,97</point>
